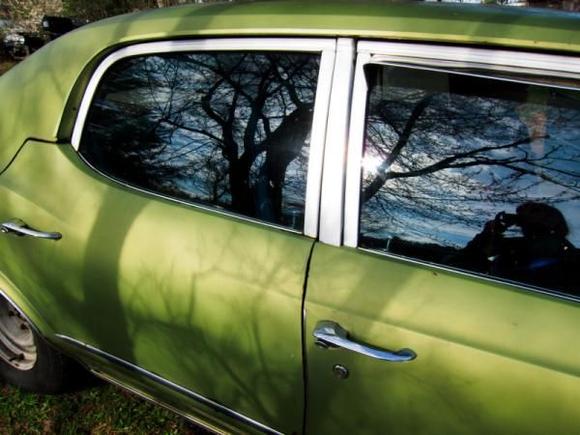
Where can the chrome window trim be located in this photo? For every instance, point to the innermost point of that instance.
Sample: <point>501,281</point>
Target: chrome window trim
<point>317,142</point>
<point>200,206</point>
<point>501,60</point>
<point>355,151</point>
<point>326,48</point>
<point>146,396</point>
<point>168,384</point>
<point>439,57</point>
<point>332,195</point>
<point>486,278</point>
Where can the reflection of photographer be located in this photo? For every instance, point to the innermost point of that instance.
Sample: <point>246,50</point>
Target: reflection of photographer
<point>542,257</point>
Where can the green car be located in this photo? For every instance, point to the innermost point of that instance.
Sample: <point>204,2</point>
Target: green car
<point>301,217</point>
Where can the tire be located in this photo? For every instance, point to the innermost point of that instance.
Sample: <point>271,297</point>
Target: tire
<point>28,361</point>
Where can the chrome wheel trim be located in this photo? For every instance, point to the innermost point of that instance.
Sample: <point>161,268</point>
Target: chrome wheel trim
<point>17,345</point>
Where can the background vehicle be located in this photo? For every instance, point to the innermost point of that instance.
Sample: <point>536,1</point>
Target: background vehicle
<point>265,231</point>
<point>19,44</point>
<point>4,25</point>
<point>58,26</point>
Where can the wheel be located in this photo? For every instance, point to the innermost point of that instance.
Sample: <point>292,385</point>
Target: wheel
<point>28,361</point>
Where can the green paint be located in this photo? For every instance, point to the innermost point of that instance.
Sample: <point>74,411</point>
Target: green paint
<point>491,358</point>
<point>213,303</point>
<point>209,302</point>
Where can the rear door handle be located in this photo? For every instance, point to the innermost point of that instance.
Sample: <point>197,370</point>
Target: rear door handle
<point>21,229</point>
<point>331,334</point>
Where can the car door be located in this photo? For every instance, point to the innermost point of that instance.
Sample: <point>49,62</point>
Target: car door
<point>188,207</point>
<point>452,305</point>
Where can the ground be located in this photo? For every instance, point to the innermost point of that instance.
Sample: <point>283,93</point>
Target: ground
<point>102,410</point>
<point>5,65</point>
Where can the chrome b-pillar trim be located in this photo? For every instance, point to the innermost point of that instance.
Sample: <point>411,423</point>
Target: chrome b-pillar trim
<point>332,194</point>
<point>168,384</point>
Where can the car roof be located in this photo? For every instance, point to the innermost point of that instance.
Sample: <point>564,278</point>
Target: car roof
<point>523,28</point>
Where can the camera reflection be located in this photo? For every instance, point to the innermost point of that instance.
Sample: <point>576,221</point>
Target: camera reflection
<point>540,255</point>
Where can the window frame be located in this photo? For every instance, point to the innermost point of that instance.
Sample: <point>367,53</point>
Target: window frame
<point>325,47</point>
<point>441,59</point>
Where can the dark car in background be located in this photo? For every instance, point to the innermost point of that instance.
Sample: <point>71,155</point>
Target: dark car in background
<point>17,43</point>
<point>54,27</point>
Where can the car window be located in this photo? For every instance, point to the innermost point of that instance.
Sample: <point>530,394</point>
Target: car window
<point>473,173</point>
<point>226,129</point>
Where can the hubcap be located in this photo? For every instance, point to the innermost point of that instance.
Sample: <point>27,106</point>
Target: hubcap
<point>17,347</point>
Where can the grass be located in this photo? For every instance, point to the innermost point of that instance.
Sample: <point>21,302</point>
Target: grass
<point>103,410</point>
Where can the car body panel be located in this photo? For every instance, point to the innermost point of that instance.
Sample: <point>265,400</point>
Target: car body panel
<point>211,303</point>
<point>491,358</point>
<point>195,408</point>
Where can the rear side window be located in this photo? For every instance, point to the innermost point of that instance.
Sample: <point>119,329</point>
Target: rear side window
<point>473,173</point>
<point>230,130</point>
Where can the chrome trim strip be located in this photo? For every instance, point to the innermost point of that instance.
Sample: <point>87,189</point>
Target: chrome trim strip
<point>318,136</point>
<point>168,384</point>
<point>467,274</point>
<point>437,57</point>
<point>151,399</point>
<point>332,195</point>
<point>468,56</point>
<point>355,151</point>
<point>199,206</point>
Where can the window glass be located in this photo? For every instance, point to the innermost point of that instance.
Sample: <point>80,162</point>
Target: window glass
<point>229,129</point>
<point>473,173</point>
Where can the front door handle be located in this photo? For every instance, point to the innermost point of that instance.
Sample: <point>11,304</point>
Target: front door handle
<point>331,334</point>
<point>21,229</point>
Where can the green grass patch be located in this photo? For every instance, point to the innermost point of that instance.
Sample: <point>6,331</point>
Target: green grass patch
<point>100,410</point>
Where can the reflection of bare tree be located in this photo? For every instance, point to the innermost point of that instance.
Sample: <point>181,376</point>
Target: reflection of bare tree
<point>226,129</point>
<point>443,153</point>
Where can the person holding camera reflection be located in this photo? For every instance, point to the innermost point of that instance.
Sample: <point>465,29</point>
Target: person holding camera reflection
<point>542,256</point>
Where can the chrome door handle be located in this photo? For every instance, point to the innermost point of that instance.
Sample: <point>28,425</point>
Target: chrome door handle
<point>21,229</point>
<point>331,334</point>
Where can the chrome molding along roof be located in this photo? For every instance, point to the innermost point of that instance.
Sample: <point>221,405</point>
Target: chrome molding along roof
<point>167,384</point>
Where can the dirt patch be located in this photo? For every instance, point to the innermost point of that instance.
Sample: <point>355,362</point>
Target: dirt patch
<point>5,65</point>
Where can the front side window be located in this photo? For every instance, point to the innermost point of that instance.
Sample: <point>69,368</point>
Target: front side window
<point>226,129</point>
<point>473,173</point>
